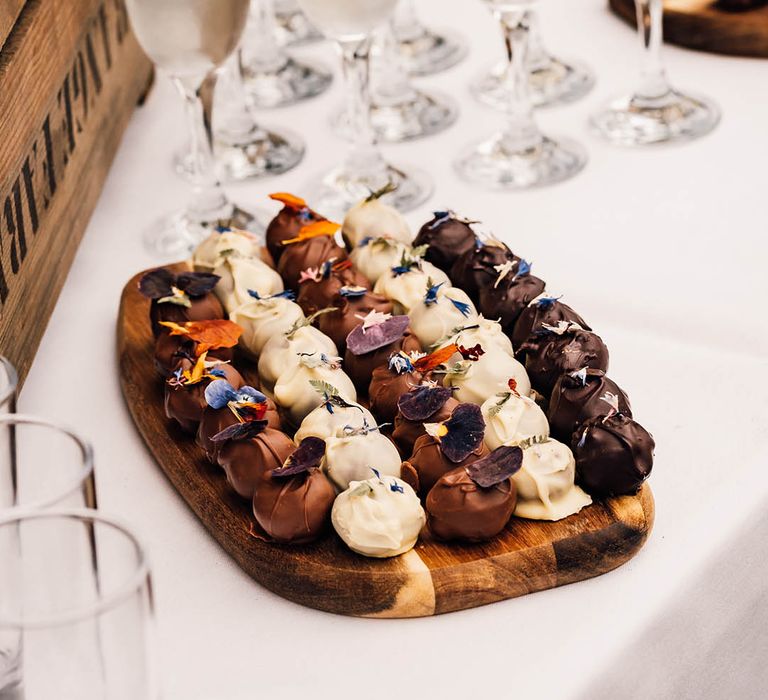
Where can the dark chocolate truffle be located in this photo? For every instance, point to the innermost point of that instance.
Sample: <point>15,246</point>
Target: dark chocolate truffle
<point>430,463</point>
<point>527,332</point>
<point>352,305</point>
<point>448,236</point>
<point>459,509</point>
<point>580,396</point>
<point>568,352</point>
<point>475,268</point>
<point>406,431</point>
<point>614,455</point>
<point>506,300</point>
<point>386,387</point>
<point>317,292</point>
<point>311,252</point>
<point>288,222</point>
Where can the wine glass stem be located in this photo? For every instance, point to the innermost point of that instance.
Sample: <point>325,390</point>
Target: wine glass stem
<point>390,84</point>
<point>653,77</point>
<point>240,126</point>
<point>208,202</point>
<point>521,132</point>
<point>263,53</point>
<point>364,160</point>
<point>406,22</point>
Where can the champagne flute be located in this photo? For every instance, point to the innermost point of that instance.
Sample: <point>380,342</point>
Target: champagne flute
<point>424,50</point>
<point>272,77</point>
<point>351,24</point>
<point>551,80</point>
<point>190,40</point>
<point>521,156</point>
<point>656,112</point>
<point>292,24</point>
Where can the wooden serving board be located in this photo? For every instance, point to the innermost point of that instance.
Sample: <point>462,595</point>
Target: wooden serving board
<point>703,25</point>
<point>433,578</point>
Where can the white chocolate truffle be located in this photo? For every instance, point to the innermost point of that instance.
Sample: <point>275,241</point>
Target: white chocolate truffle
<point>280,353</point>
<point>238,275</point>
<point>378,517</point>
<point>407,289</point>
<point>545,483</point>
<point>511,419</point>
<point>484,332</point>
<point>478,380</point>
<point>374,219</point>
<point>354,456</point>
<point>296,394</point>
<point>208,254</point>
<point>377,257</point>
<point>322,423</point>
<point>261,319</point>
<point>439,312</point>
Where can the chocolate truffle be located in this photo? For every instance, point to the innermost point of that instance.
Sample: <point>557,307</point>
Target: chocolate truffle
<point>319,286</point>
<point>377,256</point>
<point>475,268</point>
<point>510,292</point>
<point>262,319</point>
<point>422,404</point>
<point>448,236</point>
<point>185,389</point>
<point>310,252</point>
<point>614,455</point>
<point>373,218</point>
<point>238,276</point>
<point>407,283</point>
<point>358,454</point>
<point>475,504</point>
<point>169,349</point>
<point>388,383</point>
<point>568,349</point>
<point>248,460</point>
<point>217,337</point>
<point>484,374</point>
<point>513,419</point>
<point>580,396</point>
<point>294,215</point>
<point>370,344</point>
<point>544,310</point>
<point>441,310</point>
<point>293,503</point>
<point>187,296</point>
<point>352,305</point>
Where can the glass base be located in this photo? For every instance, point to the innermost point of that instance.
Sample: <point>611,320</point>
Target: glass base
<point>551,82</point>
<point>290,83</point>
<point>493,164</point>
<point>175,236</point>
<point>336,192</point>
<point>640,121</point>
<point>293,27</point>
<point>421,114</point>
<point>431,52</point>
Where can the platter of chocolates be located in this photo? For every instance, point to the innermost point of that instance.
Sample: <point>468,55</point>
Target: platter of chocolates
<point>379,424</point>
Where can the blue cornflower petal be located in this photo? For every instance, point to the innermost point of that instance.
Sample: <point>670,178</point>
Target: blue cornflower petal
<point>219,393</point>
<point>463,307</point>
<point>396,488</point>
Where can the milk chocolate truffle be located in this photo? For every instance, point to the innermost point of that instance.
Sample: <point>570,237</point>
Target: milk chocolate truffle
<point>475,503</point>
<point>614,455</point>
<point>185,389</point>
<point>390,382</point>
<point>294,216</point>
<point>248,452</point>
<point>543,310</point>
<point>307,253</point>
<point>510,292</point>
<point>319,286</point>
<point>582,395</point>
<point>569,348</point>
<point>217,337</point>
<point>456,442</point>
<point>370,344</point>
<point>476,267</point>
<point>293,503</point>
<point>422,404</point>
<point>169,349</point>
<point>187,296</point>
<point>448,236</point>
<point>352,305</point>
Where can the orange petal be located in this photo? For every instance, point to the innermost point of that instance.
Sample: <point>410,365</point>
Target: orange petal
<point>176,329</point>
<point>290,200</point>
<point>213,333</point>
<point>313,230</point>
<point>438,357</point>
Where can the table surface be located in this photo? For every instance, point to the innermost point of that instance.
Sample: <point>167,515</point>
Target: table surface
<point>662,250</point>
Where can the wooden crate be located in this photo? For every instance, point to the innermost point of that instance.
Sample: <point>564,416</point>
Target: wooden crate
<point>9,13</point>
<point>71,73</point>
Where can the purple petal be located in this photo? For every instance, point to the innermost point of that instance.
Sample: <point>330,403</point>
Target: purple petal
<point>157,284</point>
<point>466,429</point>
<point>308,455</point>
<point>496,467</point>
<point>360,342</point>
<point>422,402</point>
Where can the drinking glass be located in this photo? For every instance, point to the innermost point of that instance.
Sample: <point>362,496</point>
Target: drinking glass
<point>551,80</point>
<point>520,156</point>
<point>9,381</point>
<point>425,51</point>
<point>272,77</point>
<point>656,112</point>
<point>77,604</point>
<point>351,24</point>
<point>399,111</point>
<point>293,27</point>
<point>190,40</point>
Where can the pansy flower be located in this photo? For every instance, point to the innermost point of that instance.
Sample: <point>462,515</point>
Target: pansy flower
<point>246,402</point>
<point>164,287</point>
<point>461,434</point>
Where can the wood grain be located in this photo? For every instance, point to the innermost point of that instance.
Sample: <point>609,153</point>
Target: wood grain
<point>9,13</point>
<point>702,25</point>
<point>70,76</point>
<point>433,578</point>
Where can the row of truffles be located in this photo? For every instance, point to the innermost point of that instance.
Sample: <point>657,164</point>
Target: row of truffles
<point>428,380</point>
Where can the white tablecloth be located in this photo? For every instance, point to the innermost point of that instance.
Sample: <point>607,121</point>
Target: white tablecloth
<point>663,251</point>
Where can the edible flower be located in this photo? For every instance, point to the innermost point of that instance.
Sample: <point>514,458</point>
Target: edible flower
<point>286,294</point>
<point>314,229</point>
<point>209,335</point>
<point>432,289</point>
<point>246,403</point>
<point>202,369</point>
<point>289,200</point>
<point>163,286</point>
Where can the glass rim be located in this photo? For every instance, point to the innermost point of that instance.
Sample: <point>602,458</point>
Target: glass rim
<point>134,582</point>
<point>13,380</point>
<point>85,447</point>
